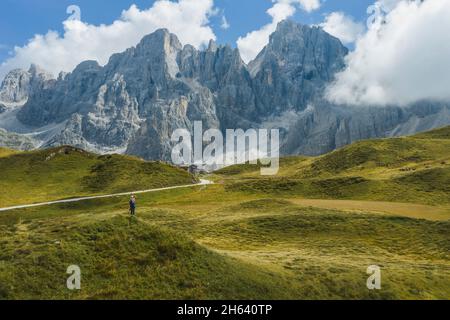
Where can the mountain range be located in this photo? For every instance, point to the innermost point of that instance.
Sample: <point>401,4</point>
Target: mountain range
<point>134,103</point>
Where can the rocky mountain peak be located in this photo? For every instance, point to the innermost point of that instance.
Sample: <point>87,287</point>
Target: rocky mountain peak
<point>292,43</point>
<point>294,67</point>
<point>14,88</point>
<point>38,72</point>
<point>18,84</point>
<point>160,41</point>
<point>87,66</point>
<point>135,102</point>
<point>288,27</point>
<point>212,46</point>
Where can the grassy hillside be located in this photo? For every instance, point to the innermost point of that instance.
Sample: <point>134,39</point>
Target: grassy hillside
<point>209,243</point>
<point>4,152</point>
<point>67,172</point>
<point>411,169</point>
<point>156,263</point>
<point>308,233</point>
<point>441,133</point>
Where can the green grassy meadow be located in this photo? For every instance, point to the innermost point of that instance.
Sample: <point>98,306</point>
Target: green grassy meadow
<point>66,172</point>
<point>308,233</point>
<point>410,169</point>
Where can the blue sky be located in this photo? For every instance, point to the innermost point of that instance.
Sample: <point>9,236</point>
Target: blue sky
<point>20,20</point>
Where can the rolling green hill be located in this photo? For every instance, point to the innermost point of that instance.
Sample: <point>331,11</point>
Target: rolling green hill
<point>308,233</point>
<point>4,152</point>
<point>121,260</point>
<point>68,172</point>
<point>411,169</point>
<point>209,243</point>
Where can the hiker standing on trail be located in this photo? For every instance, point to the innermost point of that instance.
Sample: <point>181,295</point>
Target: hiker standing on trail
<point>133,205</point>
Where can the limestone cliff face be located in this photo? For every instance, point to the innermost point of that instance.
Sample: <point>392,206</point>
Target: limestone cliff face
<point>294,67</point>
<point>19,84</point>
<point>15,87</point>
<point>135,102</point>
<point>16,141</point>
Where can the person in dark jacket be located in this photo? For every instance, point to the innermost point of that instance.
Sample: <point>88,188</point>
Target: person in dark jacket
<point>133,205</point>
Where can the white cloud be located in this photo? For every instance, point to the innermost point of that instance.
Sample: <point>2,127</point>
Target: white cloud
<point>402,61</point>
<point>388,5</point>
<point>225,25</point>
<point>343,27</point>
<point>255,41</point>
<point>307,5</point>
<point>188,19</point>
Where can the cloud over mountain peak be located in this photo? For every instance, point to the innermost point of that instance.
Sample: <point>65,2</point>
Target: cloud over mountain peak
<point>83,41</point>
<point>401,60</point>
